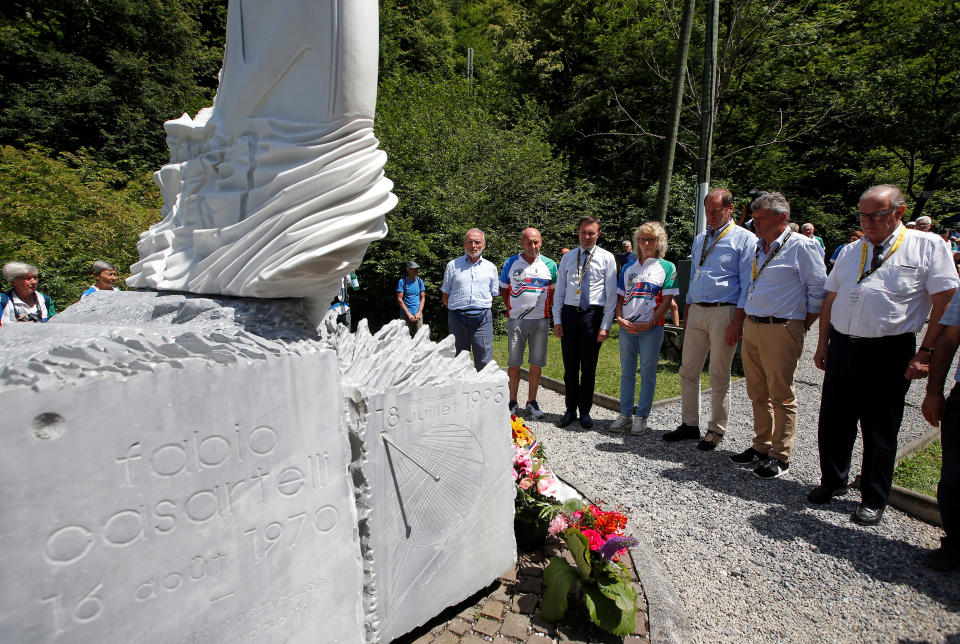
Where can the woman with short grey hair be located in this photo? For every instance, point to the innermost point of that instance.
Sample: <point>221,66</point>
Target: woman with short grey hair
<point>23,303</point>
<point>104,278</point>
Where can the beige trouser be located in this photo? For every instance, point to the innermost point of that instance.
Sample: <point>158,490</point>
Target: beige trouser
<point>704,333</point>
<point>770,355</point>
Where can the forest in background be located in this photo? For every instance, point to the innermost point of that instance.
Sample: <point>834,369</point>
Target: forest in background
<point>565,116</point>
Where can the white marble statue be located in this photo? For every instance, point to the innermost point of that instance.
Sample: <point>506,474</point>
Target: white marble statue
<point>278,189</point>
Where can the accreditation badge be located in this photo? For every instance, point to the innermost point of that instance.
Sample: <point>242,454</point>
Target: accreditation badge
<point>856,294</point>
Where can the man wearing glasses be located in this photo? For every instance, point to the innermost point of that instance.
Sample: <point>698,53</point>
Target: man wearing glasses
<point>713,324</point>
<point>470,283</point>
<point>878,297</point>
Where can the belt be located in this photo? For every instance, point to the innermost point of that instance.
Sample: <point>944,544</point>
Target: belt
<point>581,310</point>
<point>715,303</point>
<point>767,319</point>
<point>877,339</point>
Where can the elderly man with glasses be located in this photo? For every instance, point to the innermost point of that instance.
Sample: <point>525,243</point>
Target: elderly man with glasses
<point>878,297</point>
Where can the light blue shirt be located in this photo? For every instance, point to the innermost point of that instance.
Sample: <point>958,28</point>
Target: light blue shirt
<point>469,285</point>
<point>791,285</point>
<point>951,317</point>
<point>719,277</point>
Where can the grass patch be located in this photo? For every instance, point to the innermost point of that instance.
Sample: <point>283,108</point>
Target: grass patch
<point>608,367</point>
<point>921,471</point>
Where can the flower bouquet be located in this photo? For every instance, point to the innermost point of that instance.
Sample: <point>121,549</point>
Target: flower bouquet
<point>596,541</point>
<point>536,485</point>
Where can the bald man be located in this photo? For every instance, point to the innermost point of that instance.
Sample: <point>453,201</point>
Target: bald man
<point>527,282</point>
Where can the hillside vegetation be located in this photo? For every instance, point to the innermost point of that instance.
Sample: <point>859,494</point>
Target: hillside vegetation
<point>565,115</point>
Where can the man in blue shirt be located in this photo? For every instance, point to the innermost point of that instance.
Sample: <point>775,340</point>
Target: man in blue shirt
<point>411,296</point>
<point>712,322</point>
<point>470,283</point>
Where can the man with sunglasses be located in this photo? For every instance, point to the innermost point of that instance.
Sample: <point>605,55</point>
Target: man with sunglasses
<point>878,297</point>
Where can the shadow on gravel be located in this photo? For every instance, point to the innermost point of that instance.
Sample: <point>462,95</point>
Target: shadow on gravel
<point>879,557</point>
<point>790,517</point>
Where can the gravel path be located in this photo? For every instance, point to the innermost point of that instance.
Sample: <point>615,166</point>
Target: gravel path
<point>751,560</point>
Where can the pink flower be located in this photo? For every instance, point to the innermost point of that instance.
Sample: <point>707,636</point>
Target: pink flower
<point>526,483</point>
<point>594,538</point>
<point>558,525</point>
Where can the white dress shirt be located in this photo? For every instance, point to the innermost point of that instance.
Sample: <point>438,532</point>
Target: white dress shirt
<point>600,281</point>
<point>791,283</point>
<point>895,299</point>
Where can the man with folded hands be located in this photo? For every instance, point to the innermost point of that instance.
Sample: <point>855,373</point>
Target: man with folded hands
<point>784,276</point>
<point>878,297</point>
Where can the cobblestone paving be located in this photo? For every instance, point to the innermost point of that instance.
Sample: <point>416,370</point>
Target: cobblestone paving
<point>509,611</point>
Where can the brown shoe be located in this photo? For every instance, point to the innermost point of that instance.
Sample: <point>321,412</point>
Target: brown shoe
<point>710,441</point>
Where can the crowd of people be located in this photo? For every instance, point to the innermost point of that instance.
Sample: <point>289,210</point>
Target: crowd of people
<point>762,286</point>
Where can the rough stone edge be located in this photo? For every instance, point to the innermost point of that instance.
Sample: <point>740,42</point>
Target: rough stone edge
<point>601,400</point>
<point>665,612</point>
<point>915,504</point>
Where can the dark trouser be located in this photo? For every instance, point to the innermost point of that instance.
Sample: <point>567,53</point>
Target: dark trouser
<point>580,352</point>
<point>864,382</point>
<point>948,490</point>
<point>473,328</point>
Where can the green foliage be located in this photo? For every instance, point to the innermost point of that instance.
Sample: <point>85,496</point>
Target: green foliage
<point>559,576</point>
<point>457,163</point>
<point>608,594</point>
<point>103,75</point>
<point>920,471</point>
<point>63,214</point>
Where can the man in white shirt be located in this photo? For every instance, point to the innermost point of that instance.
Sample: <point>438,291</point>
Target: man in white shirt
<point>583,308</point>
<point>878,297</point>
<point>784,277</point>
<point>470,283</point>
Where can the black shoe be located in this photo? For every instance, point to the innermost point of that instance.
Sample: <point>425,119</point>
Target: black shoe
<point>771,469</point>
<point>748,455</point>
<point>682,433</point>
<point>822,494</point>
<point>710,441</point>
<point>567,418</point>
<point>585,421</point>
<point>514,408</point>
<point>942,559</point>
<point>866,515</point>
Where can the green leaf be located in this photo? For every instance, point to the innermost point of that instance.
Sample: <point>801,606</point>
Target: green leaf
<point>616,586</point>
<point>559,576</point>
<point>573,505</point>
<point>580,549</point>
<point>605,613</point>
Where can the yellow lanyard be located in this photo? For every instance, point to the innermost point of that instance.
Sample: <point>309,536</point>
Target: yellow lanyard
<point>767,260</point>
<point>582,270</point>
<point>703,254</point>
<point>863,256</point>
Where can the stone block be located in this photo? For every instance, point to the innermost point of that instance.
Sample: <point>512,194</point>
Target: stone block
<point>492,609</point>
<point>446,637</point>
<point>436,494</point>
<point>526,603</point>
<point>170,488</point>
<point>515,626</point>
<point>487,626</point>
